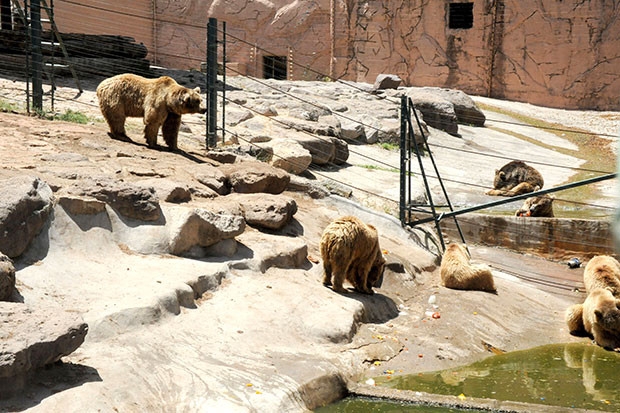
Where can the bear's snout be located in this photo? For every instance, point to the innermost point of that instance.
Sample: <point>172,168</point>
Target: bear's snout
<point>202,110</point>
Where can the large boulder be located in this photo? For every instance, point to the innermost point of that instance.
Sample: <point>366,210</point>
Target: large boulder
<point>168,190</point>
<point>341,151</point>
<point>290,156</point>
<point>271,212</point>
<point>436,110</point>
<point>323,150</point>
<point>466,110</point>
<point>129,200</point>
<point>252,177</point>
<point>24,208</point>
<point>386,81</point>
<point>352,130</point>
<point>7,278</point>
<point>199,228</point>
<point>33,338</point>
<point>212,178</point>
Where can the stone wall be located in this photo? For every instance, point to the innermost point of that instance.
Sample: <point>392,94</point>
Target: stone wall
<point>552,53</point>
<point>551,238</point>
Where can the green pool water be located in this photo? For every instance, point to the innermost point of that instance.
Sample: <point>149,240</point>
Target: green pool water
<point>366,405</point>
<point>567,375</point>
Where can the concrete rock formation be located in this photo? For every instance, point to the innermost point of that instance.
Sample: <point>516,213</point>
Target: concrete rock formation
<point>250,177</point>
<point>7,278</point>
<point>32,338</point>
<point>24,209</point>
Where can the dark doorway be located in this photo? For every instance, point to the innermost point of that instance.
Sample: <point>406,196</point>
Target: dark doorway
<point>461,15</point>
<point>274,67</point>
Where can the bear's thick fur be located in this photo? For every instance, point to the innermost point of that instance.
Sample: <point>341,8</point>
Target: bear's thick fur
<point>574,321</point>
<point>602,271</point>
<point>601,318</point>
<point>160,102</point>
<point>350,250</point>
<point>516,178</point>
<point>537,206</point>
<point>458,273</point>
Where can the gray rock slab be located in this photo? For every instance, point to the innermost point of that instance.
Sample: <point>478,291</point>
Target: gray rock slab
<point>24,208</point>
<point>31,338</point>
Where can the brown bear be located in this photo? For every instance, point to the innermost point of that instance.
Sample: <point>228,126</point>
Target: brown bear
<point>161,102</point>
<point>458,273</point>
<point>537,206</point>
<point>602,271</point>
<point>350,251</point>
<point>601,318</point>
<point>516,178</point>
<point>574,321</point>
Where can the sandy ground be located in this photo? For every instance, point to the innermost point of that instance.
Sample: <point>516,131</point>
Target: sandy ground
<point>272,341</point>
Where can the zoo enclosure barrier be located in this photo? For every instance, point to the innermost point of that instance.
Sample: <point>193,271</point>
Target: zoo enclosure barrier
<point>409,146</point>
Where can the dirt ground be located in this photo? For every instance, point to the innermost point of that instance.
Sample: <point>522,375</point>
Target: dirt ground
<point>254,344</point>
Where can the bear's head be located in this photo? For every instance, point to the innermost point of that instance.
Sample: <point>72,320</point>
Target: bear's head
<point>538,206</point>
<point>375,275</point>
<point>186,100</point>
<point>607,310</point>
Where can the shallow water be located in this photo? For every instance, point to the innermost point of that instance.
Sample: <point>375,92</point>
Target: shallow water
<point>366,405</point>
<point>568,375</point>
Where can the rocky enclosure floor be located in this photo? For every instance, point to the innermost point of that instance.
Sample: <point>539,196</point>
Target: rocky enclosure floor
<point>266,336</point>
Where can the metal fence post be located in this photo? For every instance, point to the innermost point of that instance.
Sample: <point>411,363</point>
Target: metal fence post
<point>404,115</point>
<point>37,55</point>
<point>211,83</point>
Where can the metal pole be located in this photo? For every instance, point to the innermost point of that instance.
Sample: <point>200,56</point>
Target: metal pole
<point>519,197</point>
<point>211,81</point>
<point>403,158</point>
<point>429,194</point>
<point>37,55</point>
<point>430,154</point>
<point>223,82</point>
<point>28,53</point>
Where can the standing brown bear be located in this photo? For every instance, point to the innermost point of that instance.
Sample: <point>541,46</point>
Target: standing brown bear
<point>161,102</point>
<point>350,250</point>
<point>516,178</point>
<point>458,273</point>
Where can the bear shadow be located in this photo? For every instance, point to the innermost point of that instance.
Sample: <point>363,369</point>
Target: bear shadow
<point>378,308</point>
<point>46,381</point>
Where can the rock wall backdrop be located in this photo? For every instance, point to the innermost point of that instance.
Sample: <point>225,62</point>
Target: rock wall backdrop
<point>559,53</point>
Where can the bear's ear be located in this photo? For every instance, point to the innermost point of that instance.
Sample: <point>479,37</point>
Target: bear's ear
<point>598,314</point>
<point>501,174</point>
<point>197,89</point>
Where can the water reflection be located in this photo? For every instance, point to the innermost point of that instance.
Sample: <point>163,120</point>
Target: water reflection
<point>568,375</point>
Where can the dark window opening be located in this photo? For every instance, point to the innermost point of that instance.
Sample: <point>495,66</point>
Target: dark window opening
<point>274,67</point>
<point>461,16</point>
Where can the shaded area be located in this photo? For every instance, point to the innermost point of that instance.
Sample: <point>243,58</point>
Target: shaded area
<point>48,381</point>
